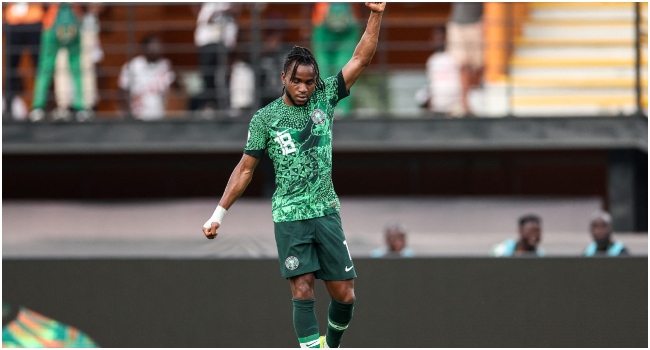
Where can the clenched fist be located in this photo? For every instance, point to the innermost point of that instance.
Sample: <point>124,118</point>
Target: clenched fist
<point>376,6</point>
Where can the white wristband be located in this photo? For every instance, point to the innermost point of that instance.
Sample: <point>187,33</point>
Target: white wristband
<point>217,216</point>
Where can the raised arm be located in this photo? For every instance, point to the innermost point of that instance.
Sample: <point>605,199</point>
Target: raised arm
<point>366,47</point>
<point>239,180</point>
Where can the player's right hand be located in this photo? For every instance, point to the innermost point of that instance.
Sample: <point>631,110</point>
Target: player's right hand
<point>376,6</point>
<point>211,232</point>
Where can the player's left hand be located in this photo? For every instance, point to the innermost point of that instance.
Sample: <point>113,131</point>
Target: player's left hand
<point>376,6</point>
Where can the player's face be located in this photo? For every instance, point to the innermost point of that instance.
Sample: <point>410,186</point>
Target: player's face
<point>600,230</point>
<point>299,87</point>
<point>531,233</point>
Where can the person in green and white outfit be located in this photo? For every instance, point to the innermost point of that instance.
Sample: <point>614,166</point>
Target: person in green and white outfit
<point>296,131</point>
<point>61,26</point>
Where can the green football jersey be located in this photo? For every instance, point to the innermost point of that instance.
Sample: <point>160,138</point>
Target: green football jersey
<point>299,142</point>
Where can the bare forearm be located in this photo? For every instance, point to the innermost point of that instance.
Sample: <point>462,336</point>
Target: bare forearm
<point>366,48</point>
<point>239,180</point>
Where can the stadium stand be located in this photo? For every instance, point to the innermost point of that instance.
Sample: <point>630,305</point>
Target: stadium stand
<point>388,122</point>
<point>542,59</point>
<point>578,59</point>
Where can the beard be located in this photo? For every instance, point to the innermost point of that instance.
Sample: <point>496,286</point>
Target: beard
<point>294,101</point>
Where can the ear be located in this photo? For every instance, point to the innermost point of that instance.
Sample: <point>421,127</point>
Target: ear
<point>282,76</point>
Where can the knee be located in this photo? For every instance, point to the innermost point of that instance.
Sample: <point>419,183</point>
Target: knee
<point>303,292</point>
<point>302,289</point>
<point>345,296</point>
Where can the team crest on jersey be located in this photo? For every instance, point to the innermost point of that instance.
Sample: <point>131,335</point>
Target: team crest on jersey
<point>318,116</point>
<point>291,263</point>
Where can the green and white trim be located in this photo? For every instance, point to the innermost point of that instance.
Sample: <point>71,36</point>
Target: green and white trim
<point>336,326</point>
<point>311,341</point>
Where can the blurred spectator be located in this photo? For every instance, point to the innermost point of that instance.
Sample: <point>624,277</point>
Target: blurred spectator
<point>91,54</point>
<point>395,234</point>
<point>530,234</point>
<point>271,64</point>
<point>216,36</point>
<point>242,84</point>
<point>145,81</point>
<point>61,26</point>
<point>23,32</point>
<point>335,34</point>
<point>443,94</point>
<point>24,328</point>
<point>600,225</point>
<point>465,44</point>
<point>274,51</point>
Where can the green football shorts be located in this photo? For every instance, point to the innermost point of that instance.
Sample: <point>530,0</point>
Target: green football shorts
<point>314,245</point>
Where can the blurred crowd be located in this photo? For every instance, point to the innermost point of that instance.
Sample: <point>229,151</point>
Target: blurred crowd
<point>234,53</point>
<point>63,42</point>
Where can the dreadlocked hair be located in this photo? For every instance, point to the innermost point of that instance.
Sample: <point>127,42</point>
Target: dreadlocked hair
<point>302,57</point>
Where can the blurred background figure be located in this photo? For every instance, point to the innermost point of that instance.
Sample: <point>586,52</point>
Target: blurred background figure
<point>24,328</point>
<point>91,54</point>
<point>443,93</point>
<point>274,51</point>
<point>465,44</point>
<point>395,234</point>
<point>61,26</point>
<point>530,234</point>
<point>335,34</point>
<point>23,25</point>
<point>271,64</point>
<point>242,84</point>
<point>600,225</point>
<point>215,36</point>
<point>145,81</point>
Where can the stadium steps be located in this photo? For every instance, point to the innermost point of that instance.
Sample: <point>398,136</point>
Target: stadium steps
<point>524,62</point>
<point>559,104</point>
<point>581,10</point>
<point>577,59</point>
<point>570,83</point>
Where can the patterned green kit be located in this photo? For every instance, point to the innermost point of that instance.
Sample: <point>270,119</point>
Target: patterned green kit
<point>24,328</point>
<point>299,142</point>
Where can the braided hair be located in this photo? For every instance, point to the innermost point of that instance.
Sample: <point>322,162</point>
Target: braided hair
<point>302,57</point>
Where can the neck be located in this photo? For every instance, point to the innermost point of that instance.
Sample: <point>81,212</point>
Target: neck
<point>604,244</point>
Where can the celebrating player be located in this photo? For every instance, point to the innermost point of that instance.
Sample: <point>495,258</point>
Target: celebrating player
<point>296,130</point>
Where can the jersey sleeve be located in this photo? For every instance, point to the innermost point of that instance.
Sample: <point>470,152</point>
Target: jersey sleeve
<point>341,91</point>
<point>257,137</point>
<point>335,87</point>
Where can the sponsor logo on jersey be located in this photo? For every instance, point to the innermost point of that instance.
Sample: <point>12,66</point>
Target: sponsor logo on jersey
<point>291,263</point>
<point>318,116</point>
